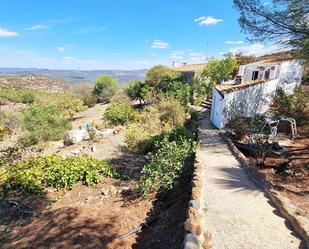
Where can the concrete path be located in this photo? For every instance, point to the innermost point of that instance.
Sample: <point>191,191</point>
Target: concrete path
<point>239,215</point>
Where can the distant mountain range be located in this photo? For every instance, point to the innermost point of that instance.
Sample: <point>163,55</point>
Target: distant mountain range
<point>79,76</point>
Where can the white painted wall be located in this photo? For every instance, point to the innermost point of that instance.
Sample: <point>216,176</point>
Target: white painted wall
<point>249,69</point>
<point>289,75</point>
<point>217,108</point>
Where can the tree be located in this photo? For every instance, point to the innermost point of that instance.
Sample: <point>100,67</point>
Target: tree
<point>242,59</point>
<point>281,21</point>
<point>105,87</point>
<point>43,123</point>
<point>139,90</point>
<point>217,71</point>
<point>160,73</point>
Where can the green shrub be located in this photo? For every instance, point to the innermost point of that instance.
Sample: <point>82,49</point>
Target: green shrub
<point>89,100</point>
<point>69,105</point>
<point>172,112</point>
<point>121,98</point>
<point>119,114</point>
<point>8,123</point>
<point>135,135</point>
<point>43,123</point>
<point>27,98</point>
<point>31,176</point>
<point>105,87</point>
<point>165,165</point>
<point>295,105</point>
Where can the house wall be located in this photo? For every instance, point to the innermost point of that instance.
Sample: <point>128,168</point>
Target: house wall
<point>217,108</point>
<point>290,75</point>
<point>248,70</point>
<point>256,98</point>
<point>249,101</point>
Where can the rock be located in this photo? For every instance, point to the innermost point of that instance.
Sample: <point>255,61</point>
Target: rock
<point>191,241</point>
<point>195,204</point>
<point>193,227</point>
<point>107,132</point>
<point>105,192</point>
<point>93,148</point>
<point>75,152</point>
<point>76,136</point>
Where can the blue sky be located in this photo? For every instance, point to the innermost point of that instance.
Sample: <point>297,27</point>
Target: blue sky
<point>133,34</point>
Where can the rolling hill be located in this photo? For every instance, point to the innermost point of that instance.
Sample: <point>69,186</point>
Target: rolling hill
<point>78,76</point>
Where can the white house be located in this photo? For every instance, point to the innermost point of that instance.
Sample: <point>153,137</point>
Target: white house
<point>253,89</point>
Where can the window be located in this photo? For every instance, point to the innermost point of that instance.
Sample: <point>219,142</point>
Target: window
<point>255,75</point>
<point>267,73</point>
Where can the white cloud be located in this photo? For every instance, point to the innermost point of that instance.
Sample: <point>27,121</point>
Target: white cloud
<point>197,57</point>
<point>6,33</point>
<point>65,47</point>
<point>159,44</point>
<point>207,20</point>
<point>177,55</point>
<point>37,27</point>
<point>188,56</point>
<point>233,42</point>
<point>257,49</point>
<point>61,49</point>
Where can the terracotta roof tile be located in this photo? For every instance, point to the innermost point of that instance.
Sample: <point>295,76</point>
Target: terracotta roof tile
<point>232,88</point>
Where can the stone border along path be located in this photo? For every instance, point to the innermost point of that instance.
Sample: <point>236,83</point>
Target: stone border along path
<point>239,214</point>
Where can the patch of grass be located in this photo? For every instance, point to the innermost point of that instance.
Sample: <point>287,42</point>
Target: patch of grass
<point>33,175</point>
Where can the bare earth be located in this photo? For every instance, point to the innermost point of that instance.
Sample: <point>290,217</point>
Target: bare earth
<point>239,214</point>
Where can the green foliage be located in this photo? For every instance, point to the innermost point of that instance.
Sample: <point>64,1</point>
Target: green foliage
<point>89,100</point>
<point>43,123</point>
<point>165,165</point>
<point>175,89</point>
<point>119,114</point>
<point>69,105</point>
<point>295,106</point>
<point>8,123</point>
<point>160,73</point>
<point>283,22</point>
<point>172,113</point>
<point>121,98</point>
<point>27,98</point>
<point>139,90</point>
<point>220,70</point>
<point>135,135</point>
<point>105,87</point>
<point>32,175</point>
<point>152,121</point>
<point>17,95</point>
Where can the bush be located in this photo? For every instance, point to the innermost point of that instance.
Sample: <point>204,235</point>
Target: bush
<point>135,135</point>
<point>165,165</point>
<point>147,125</point>
<point>32,175</point>
<point>121,98</point>
<point>172,112</point>
<point>27,98</point>
<point>8,123</point>
<point>89,100</point>
<point>139,90</point>
<point>295,106</point>
<point>105,87</point>
<point>43,123</point>
<point>119,114</point>
<point>69,105</point>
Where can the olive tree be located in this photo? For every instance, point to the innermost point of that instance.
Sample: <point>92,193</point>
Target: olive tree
<point>105,87</point>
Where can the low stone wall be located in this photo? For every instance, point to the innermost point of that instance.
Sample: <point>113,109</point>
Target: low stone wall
<point>194,237</point>
<point>281,202</point>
